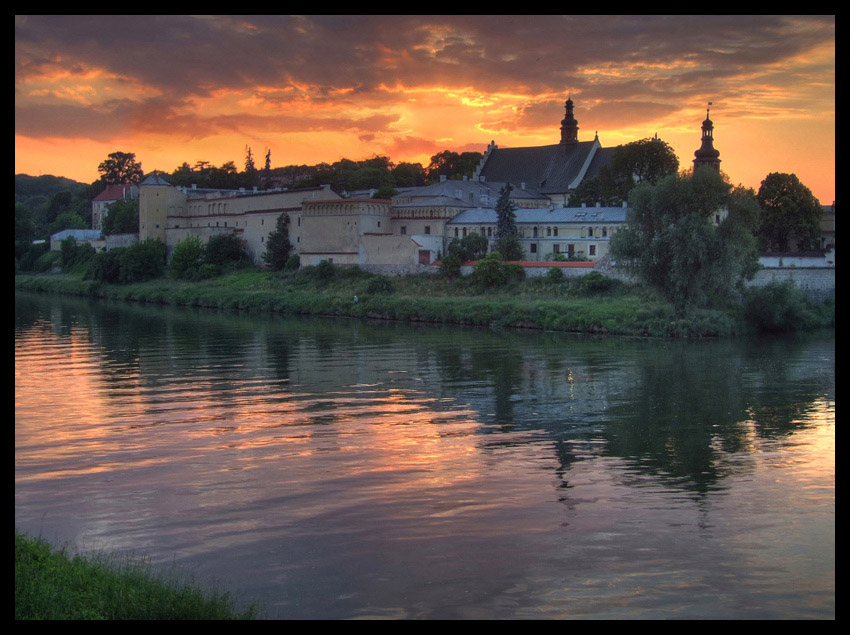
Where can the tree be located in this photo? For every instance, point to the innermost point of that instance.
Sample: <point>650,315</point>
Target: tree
<point>122,217</point>
<point>278,247</point>
<point>643,161</point>
<point>789,212</point>
<point>452,165</point>
<point>471,247</point>
<point>143,261</point>
<point>222,249</point>
<point>121,167</point>
<point>673,244</point>
<point>187,258</point>
<point>67,220</point>
<point>507,238</point>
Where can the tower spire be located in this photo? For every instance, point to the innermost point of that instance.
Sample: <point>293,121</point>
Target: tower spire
<point>707,155</point>
<point>569,125</point>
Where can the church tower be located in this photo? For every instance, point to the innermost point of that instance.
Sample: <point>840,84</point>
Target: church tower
<point>707,155</point>
<point>569,126</point>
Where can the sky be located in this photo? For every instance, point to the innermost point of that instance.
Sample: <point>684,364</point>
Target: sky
<point>311,89</point>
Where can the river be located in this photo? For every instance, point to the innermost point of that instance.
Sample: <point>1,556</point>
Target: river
<point>339,469</point>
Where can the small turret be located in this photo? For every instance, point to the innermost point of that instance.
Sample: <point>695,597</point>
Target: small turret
<point>707,155</point>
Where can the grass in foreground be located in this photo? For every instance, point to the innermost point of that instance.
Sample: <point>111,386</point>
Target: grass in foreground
<point>52,584</point>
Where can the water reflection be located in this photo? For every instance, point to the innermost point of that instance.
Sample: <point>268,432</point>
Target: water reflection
<point>375,463</point>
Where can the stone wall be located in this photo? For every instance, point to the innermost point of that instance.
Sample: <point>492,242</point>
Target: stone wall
<point>816,282</point>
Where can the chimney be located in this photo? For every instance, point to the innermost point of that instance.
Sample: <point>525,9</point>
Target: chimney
<point>598,203</point>
<point>522,185</point>
<point>584,204</point>
<point>442,178</point>
<point>255,189</point>
<point>625,203</point>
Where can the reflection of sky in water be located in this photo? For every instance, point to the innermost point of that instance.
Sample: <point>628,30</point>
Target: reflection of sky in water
<point>342,469</point>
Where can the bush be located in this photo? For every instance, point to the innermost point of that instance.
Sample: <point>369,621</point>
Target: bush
<point>143,261</point>
<point>292,263</point>
<point>380,285</point>
<point>555,274</point>
<point>595,282</point>
<point>225,248</point>
<point>31,256</point>
<point>779,307</point>
<point>450,266</point>
<point>47,261</point>
<point>187,258</point>
<point>492,272</point>
<point>106,266</point>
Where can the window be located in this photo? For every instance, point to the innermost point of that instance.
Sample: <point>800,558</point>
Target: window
<point>489,231</point>
<point>464,232</point>
<point>533,248</point>
<point>548,231</point>
<point>590,231</point>
<point>403,230</point>
<point>535,232</point>
<point>556,248</point>
<point>455,232</point>
<point>554,231</point>
<point>427,229</point>
<point>592,250</point>
<point>604,232</point>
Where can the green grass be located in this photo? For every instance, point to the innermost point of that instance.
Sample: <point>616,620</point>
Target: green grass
<point>53,584</point>
<point>604,307</point>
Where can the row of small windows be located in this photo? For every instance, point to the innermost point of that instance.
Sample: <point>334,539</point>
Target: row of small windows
<point>535,232</point>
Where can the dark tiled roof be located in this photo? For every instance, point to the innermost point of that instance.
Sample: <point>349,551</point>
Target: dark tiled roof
<point>549,169</point>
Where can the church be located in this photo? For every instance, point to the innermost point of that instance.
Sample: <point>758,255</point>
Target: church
<point>414,228</point>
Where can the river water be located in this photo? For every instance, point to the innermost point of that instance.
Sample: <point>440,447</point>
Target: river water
<point>335,469</point>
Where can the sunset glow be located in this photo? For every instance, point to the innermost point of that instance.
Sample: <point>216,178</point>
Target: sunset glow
<point>175,89</point>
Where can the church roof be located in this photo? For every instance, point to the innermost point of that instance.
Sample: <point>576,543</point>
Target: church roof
<point>549,169</point>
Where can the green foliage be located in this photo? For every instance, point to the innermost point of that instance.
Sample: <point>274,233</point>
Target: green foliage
<point>555,274</point>
<point>278,247</point>
<point>106,266</point>
<point>31,256</point>
<point>223,249</point>
<point>596,282</point>
<point>471,247</point>
<point>790,213</point>
<point>452,165</point>
<point>450,265</point>
<point>782,307</point>
<point>121,218</point>
<point>187,258</point>
<point>47,261</point>
<point>325,271</point>
<point>292,263</point>
<point>66,220</point>
<point>120,167</point>
<point>380,285</point>
<point>53,584</point>
<point>643,161</point>
<point>490,271</point>
<point>672,243</point>
<point>74,255</point>
<point>143,261</point>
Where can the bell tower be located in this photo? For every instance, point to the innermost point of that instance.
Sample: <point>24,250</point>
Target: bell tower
<point>707,155</point>
<point>569,125</point>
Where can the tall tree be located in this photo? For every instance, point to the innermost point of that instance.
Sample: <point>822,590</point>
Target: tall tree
<point>790,213</point>
<point>121,167</point>
<point>507,237</point>
<point>278,247</point>
<point>643,161</point>
<point>671,240</point>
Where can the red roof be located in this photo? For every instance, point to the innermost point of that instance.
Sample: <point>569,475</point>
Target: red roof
<point>113,192</point>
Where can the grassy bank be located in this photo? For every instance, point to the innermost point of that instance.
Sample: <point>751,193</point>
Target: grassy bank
<point>586,305</point>
<point>53,584</point>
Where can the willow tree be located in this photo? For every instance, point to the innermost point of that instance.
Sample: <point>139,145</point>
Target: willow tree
<point>674,243</point>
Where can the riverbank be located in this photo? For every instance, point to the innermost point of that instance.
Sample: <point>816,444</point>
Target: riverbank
<point>592,304</point>
<point>53,584</point>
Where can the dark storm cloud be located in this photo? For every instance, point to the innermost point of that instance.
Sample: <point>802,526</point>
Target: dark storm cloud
<point>181,57</point>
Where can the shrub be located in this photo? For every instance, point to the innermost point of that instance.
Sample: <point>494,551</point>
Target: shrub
<point>47,261</point>
<point>595,282</point>
<point>380,285</point>
<point>292,263</point>
<point>143,261</point>
<point>106,266</point>
<point>491,271</point>
<point>187,258</point>
<point>555,274</point>
<point>780,306</point>
<point>225,248</point>
<point>450,266</point>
